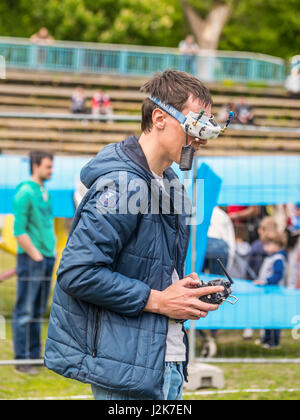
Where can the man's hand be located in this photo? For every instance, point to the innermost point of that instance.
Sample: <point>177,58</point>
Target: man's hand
<point>181,299</point>
<point>26,244</point>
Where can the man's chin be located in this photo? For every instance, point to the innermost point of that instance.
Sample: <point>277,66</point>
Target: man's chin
<point>177,160</point>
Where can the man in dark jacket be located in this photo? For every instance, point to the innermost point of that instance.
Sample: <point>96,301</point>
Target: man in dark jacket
<point>121,283</point>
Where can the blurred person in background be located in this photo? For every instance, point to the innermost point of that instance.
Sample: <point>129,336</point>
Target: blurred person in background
<point>222,115</point>
<point>247,217</point>
<point>257,252</point>
<point>221,242</point>
<point>298,266</point>
<point>239,267</point>
<point>42,37</point>
<point>244,112</point>
<point>189,48</point>
<point>293,231</point>
<point>101,104</point>
<point>78,101</point>
<point>34,231</point>
<point>272,273</point>
<point>257,256</point>
<point>292,83</point>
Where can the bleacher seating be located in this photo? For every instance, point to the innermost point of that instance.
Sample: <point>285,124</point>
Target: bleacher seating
<point>38,92</point>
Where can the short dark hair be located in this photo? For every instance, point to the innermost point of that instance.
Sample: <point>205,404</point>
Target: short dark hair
<point>174,88</point>
<point>36,157</point>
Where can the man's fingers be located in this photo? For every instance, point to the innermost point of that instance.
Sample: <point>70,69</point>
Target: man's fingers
<point>204,306</point>
<point>197,315</point>
<point>209,290</point>
<point>193,276</point>
<point>189,281</point>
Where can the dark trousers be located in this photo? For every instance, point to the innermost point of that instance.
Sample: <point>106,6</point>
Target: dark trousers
<point>271,337</point>
<point>33,287</point>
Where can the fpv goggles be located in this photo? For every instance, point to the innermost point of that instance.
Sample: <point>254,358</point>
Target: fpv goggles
<point>193,124</point>
<point>196,125</point>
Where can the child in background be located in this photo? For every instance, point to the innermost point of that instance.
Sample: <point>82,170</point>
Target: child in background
<point>272,273</point>
<point>257,256</point>
<point>258,253</point>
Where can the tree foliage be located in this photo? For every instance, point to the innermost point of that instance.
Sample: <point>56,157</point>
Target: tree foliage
<point>268,26</point>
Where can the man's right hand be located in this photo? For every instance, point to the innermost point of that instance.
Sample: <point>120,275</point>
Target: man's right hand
<point>26,244</point>
<point>181,300</point>
<point>37,256</point>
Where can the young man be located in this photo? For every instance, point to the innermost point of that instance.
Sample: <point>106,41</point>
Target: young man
<point>34,231</point>
<point>121,282</point>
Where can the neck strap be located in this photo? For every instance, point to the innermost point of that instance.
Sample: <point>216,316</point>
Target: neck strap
<point>179,116</point>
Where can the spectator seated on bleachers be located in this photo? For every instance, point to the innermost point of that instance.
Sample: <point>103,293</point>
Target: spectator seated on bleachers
<point>78,100</point>
<point>244,112</point>
<point>222,115</point>
<point>101,104</point>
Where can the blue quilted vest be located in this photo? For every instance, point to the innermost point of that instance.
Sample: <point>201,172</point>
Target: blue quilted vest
<point>98,330</point>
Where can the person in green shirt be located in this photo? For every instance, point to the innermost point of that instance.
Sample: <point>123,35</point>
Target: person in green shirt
<point>34,231</point>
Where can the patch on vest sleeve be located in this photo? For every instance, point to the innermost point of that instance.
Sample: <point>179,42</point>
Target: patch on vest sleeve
<point>108,199</point>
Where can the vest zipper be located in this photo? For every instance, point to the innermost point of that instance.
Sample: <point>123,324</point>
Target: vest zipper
<point>96,329</point>
<point>174,266</point>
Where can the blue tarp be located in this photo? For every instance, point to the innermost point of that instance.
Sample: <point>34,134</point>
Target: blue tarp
<point>15,169</point>
<point>246,180</point>
<point>258,307</point>
<point>257,180</point>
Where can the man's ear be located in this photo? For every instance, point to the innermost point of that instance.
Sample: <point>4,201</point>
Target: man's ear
<point>159,118</point>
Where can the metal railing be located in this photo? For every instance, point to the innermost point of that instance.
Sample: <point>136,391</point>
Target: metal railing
<point>132,60</point>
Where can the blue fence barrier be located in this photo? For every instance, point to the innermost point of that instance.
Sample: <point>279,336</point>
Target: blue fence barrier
<point>246,180</point>
<point>270,307</point>
<point>141,61</point>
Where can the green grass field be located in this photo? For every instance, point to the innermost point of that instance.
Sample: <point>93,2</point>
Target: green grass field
<point>277,379</point>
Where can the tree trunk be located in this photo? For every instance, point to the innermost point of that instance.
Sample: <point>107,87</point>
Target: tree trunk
<point>207,31</point>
